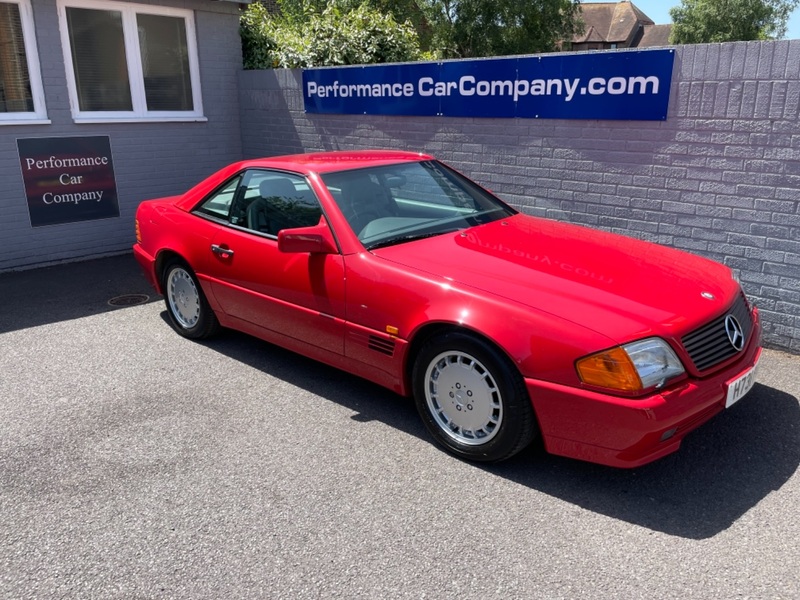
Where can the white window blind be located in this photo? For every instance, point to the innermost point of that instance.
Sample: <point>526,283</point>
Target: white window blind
<point>21,97</point>
<point>98,58</point>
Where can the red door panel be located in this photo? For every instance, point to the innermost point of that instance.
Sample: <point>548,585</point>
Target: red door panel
<point>300,295</point>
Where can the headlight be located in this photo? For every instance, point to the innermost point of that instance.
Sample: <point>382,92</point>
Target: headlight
<point>632,368</point>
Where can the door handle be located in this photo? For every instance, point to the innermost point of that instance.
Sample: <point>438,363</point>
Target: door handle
<point>223,252</point>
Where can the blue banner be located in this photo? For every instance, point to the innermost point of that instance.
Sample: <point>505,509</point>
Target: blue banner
<point>630,85</point>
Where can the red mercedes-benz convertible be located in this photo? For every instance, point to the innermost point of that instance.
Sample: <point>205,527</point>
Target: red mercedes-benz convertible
<point>504,327</point>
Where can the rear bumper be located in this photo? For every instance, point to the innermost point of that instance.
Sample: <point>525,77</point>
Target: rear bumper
<point>148,264</point>
<point>619,432</point>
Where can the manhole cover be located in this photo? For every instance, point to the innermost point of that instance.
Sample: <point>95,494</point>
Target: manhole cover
<point>129,300</point>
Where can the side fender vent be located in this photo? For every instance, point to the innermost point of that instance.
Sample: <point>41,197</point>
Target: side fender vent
<point>381,345</point>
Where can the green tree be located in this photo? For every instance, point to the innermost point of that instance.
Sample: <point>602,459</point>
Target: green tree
<point>710,21</point>
<point>403,11</point>
<point>313,33</point>
<point>461,28</point>
<point>470,28</point>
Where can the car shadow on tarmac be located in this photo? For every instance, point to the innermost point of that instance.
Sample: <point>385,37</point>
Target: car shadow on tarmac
<point>721,471</point>
<point>71,291</point>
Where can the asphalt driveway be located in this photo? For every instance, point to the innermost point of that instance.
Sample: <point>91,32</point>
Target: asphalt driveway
<point>137,464</point>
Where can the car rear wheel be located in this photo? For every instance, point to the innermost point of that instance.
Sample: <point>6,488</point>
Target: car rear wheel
<point>472,399</point>
<point>187,307</point>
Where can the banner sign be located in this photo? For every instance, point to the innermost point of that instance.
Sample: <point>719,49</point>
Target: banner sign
<point>68,179</point>
<point>630,85</point>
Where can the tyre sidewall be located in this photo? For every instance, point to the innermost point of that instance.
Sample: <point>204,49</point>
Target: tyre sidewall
<point>517,428</point>
<point>206,322</point>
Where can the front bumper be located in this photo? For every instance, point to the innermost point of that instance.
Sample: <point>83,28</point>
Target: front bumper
<point>621,432</point>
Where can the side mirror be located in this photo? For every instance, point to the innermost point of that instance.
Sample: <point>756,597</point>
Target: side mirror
<point>317,239</point>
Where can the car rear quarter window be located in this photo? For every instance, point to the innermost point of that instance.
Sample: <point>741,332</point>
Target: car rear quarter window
<point>218,205</point>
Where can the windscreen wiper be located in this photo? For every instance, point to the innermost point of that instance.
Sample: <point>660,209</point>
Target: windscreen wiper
<point>410,237</point>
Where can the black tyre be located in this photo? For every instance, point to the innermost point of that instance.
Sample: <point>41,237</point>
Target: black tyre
<point>471,398</point>
<point>187,307</point>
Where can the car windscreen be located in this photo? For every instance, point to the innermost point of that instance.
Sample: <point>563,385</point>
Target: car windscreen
<point>397,203</point>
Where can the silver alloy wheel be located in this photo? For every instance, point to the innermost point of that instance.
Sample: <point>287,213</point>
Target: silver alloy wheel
<point>183,297</point>
<point>463,398</point>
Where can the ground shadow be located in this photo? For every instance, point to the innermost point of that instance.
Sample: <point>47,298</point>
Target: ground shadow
<point>69,291</point>
<point>721,471</point>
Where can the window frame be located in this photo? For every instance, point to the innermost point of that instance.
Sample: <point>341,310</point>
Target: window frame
<point>39,114</point>
<point>140,113</point>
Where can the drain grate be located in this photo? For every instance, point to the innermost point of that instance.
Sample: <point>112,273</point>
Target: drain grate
<point>129,300</point>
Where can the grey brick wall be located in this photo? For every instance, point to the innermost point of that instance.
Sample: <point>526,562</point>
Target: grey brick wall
<point>150,159</point>
<point>720,177</point>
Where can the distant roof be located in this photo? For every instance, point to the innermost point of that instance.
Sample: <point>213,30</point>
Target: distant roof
<point>610,21</point>
<point>655,35</point>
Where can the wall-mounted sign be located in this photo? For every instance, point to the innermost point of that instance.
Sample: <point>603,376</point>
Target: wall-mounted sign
<point>68,179</point>
<point>630,85</point>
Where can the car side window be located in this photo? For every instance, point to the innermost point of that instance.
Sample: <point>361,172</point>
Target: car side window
<point>218,205</point>
<point>268,201</point>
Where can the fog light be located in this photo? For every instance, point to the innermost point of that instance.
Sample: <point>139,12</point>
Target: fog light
<point>668,434</point>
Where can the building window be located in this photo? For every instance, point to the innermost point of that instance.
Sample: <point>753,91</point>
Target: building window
<point>21,96</point>
<point>130,61</point>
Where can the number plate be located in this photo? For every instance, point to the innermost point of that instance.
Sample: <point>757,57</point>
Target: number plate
<point>738,388</point>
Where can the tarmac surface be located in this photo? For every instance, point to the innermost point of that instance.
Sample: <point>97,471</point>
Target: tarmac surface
<point>137,464</point>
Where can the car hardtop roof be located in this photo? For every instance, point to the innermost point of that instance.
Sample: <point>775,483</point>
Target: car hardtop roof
<point>325,162</point>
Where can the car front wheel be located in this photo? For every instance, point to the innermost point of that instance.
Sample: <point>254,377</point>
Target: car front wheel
<point>187,307</point>
<point>472,399</point>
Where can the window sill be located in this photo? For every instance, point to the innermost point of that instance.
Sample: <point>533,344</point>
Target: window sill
<point>25,122</point>
<point>82,120</point>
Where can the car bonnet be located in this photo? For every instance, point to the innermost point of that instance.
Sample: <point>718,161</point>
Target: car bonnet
<point>615,285</point>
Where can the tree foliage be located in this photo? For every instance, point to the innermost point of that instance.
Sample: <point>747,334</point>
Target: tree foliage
<point>710,21</point>
<point>470,28</point>
<point>310,34</point>
<point>401,10</point>
<point>340,32</point>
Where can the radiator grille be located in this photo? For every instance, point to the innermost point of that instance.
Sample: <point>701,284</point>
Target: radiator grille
<point>709,345</point>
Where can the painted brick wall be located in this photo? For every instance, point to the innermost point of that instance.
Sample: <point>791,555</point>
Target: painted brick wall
<point>720,177</point>
<point>150,159</point>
